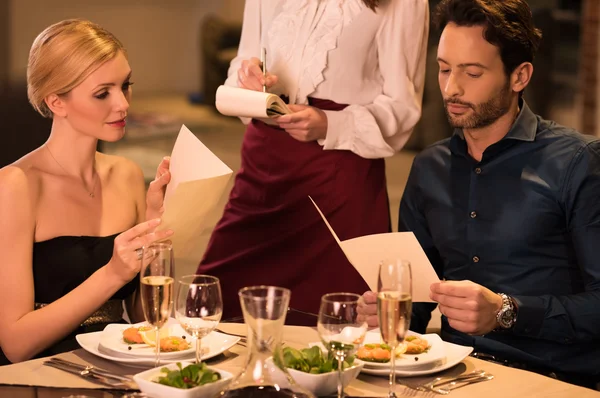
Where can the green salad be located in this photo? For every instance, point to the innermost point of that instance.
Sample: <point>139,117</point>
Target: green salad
<point>311,360</point>
<point>189,377</point>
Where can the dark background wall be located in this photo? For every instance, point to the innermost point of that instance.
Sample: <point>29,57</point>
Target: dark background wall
<point>4,30</point>
<point>21,128</point>
<point>4,38</point>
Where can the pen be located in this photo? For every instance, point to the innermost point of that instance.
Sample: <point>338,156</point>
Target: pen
<point>263,60</point>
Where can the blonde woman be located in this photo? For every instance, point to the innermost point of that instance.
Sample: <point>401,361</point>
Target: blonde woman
<point>72,218</point>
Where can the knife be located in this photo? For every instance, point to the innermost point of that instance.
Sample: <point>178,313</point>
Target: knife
<point>91,369</point>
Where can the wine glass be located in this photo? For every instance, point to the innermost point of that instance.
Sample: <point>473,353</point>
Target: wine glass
<point>199,306</point>
<point>156,286</point>
<point>340,330</point>
<point>394,307</point>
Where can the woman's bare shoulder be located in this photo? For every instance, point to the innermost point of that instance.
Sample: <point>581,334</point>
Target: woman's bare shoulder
<point>121,168</point>
<point>21,180</point>
<point>13,178</point>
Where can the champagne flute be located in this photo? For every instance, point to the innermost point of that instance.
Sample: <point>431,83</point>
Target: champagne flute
<point>394,307</point>
<point>199,306</point>
<point>156,286</point>
<point>340,330</point>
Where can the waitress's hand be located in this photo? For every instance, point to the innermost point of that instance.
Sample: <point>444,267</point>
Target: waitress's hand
<point>250,76</point>
<point>305,124</point>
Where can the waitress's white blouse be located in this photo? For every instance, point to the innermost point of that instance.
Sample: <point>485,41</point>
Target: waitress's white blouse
<point>342,51</point>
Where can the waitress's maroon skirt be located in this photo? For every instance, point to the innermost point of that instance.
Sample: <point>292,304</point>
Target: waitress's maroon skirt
<point>270,232</point>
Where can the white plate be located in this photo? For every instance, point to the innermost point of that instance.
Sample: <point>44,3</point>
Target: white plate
<point>145,381</point>
<point>213,345</point>
<point>112,342</point>
<point>435,353</point>
<point>454,355</point>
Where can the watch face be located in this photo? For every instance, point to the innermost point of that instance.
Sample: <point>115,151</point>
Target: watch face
<point>508,318</point>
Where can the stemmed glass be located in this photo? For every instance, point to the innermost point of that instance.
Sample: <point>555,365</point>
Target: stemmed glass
<point>156,286</point>
<point>199,306</point>
<point>340,330</point>
<point>264,373</point>
<point>394,307</point>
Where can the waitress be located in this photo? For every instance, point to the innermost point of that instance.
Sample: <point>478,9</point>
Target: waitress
<point>353,72</point>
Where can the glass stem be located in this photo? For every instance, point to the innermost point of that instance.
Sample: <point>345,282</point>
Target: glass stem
<point>157,361</point>
<point>198,350</point>
<point>340,358</point>
<point>392,393</point>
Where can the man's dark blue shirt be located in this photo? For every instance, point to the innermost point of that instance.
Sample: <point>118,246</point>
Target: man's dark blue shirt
<point>524,221</point>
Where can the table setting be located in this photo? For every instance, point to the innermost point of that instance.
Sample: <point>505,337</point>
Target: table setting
<point>184,349</point>
<point>24,380</point>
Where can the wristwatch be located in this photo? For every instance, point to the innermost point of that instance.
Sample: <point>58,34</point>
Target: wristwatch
<point>507,315</point>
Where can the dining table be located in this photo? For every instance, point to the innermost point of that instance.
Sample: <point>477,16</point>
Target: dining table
<point>32,379</point>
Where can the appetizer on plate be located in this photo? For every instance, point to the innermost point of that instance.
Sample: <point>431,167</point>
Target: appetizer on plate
<point>147,335</point>
<point>173,343</point>
<point>132,335</point>
<point>416,345</point>
<point>382,352</point>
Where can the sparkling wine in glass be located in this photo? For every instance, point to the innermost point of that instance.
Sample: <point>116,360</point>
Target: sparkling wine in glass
<point>199,306</point>
<point>340,329</point>
<point>156,286</point>
<point>394,307</point>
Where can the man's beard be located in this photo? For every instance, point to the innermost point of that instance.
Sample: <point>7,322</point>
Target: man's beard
<point>483,114</point>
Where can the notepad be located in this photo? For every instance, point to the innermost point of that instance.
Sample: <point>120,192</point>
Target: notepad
<point>240,102</point>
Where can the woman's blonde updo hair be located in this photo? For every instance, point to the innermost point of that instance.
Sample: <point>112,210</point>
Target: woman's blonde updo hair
<point>63,55</point>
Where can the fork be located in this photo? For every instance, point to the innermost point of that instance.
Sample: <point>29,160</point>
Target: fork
<point>438,381</point>
<point>96,378</point>
<point>460,383</point>
<point>244,338</point>
<point>241,336</point>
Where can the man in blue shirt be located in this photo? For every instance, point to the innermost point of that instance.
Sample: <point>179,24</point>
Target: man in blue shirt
<point>508,208</point>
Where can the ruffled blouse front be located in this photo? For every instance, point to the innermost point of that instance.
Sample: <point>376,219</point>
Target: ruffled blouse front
<point>314,26</point>
<point>340,50</point>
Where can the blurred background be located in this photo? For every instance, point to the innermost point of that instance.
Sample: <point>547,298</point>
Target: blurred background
<point>180,51</point>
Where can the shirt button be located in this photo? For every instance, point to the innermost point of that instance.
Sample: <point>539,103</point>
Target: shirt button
<point>475,259</point>
<point>477,170</point>
<point>473,214</point>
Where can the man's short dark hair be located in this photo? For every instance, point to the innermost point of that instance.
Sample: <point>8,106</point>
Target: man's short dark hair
<point>507,24</point>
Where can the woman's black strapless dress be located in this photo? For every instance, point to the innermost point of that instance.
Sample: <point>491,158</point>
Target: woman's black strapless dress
<point>59,266</point>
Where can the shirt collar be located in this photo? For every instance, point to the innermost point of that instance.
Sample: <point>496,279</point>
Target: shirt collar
<point>523,129</point>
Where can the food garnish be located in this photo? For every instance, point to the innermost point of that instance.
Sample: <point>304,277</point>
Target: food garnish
<point>311,360</point>
<point>189,377</point>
